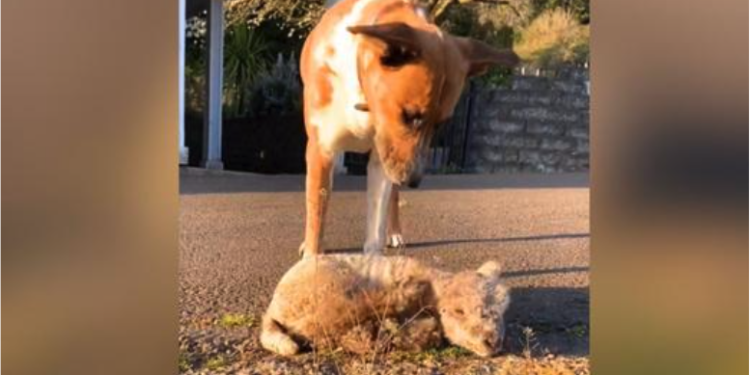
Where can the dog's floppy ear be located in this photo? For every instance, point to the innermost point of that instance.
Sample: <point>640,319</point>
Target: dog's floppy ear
<point>481,56</point>
<point>394,34</point>
<point>402,45</point>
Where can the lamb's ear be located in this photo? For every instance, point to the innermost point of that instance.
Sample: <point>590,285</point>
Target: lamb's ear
<point>481,56</point>
<point>502,295</point>
<point>490,269</point>
<point>395,34</point>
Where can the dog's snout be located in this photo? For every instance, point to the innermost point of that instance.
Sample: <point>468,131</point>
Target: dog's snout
<point>414,180</point>
<point>489,343</point>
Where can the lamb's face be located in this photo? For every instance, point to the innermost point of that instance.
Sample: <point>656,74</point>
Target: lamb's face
<point>471,306</point>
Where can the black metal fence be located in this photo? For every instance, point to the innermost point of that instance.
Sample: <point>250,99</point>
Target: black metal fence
<point>450,143</point>
<point>537,123</point>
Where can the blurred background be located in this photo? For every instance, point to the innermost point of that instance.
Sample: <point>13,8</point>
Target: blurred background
<point>90,200</point>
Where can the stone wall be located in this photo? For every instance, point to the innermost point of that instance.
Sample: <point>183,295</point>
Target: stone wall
<point>537,124</point>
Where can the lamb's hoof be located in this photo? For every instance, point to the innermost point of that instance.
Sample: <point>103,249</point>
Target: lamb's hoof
<point>301,250</point>
<point>283,346</point>
<point>288,348</point>
<point>396,241</point>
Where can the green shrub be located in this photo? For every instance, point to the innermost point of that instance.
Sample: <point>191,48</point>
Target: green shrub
<point>278,90</point>
<point>553,39</point>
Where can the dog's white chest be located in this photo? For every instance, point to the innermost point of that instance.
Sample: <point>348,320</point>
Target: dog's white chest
<point>340,126</point>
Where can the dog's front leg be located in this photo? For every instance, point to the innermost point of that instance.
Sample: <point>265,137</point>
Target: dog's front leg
<point>395,235</point>
<point>378,196</point>
<point>317,192</point>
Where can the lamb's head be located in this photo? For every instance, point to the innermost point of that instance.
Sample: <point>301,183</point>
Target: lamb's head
<point>471,306</point>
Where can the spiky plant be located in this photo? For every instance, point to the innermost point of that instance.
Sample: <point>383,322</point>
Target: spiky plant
<point>246,56</point>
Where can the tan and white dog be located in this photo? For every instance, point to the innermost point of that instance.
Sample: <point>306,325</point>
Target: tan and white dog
<point>379,76</point>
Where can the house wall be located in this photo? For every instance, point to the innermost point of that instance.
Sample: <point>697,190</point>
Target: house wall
<point>537,124</point>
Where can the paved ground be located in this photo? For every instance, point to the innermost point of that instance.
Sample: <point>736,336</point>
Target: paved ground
<point>240,232</point>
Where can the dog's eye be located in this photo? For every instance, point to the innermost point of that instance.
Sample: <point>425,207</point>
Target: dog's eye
<point>397,56</point>
<point>411,118</point>
<point>459,312</point>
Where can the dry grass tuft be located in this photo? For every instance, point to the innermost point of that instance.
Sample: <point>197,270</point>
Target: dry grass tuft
<point>552,39</point>
<point>237,320</point>
<point>543,366</point>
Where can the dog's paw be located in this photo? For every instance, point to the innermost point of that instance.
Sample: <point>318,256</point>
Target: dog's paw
<point>396,241</point>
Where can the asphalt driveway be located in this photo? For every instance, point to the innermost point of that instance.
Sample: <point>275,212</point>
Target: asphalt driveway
<point>239,233</point>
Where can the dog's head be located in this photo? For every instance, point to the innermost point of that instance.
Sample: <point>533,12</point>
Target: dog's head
<point>412,76</point>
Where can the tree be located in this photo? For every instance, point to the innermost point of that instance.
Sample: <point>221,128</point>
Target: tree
<point>298,17</point>
<point>580,9</point>
<point>302,15</point>
<point>438,8</point>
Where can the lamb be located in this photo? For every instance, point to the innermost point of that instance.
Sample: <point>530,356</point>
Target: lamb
<point>359,301</point>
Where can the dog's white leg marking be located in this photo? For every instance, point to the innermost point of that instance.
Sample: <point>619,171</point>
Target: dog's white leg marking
<point>396,241</point>
<point>378,194</point>
<point>395,237</point>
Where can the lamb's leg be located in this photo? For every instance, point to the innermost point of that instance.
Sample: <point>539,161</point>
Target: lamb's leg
<point>419,334</point>
<point>273,338</point>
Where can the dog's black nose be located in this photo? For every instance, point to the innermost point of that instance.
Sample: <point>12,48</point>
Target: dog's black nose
<point>414,180</point>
